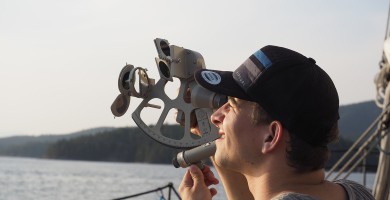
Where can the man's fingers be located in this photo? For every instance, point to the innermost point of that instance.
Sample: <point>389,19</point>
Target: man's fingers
<point>187,181</point>
<point>197,175</point>
<point>209,176</point>
<point>213,191</point>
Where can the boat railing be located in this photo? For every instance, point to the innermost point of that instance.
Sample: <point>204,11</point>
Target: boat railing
<point>159,189</point>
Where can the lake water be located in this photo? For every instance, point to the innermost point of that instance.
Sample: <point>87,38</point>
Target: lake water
<point>42,179</point>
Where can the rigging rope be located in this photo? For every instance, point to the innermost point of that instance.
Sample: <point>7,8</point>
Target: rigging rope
<point>363,147</point>
<point>379,138</point>
<point>387,25</point>
<point>355,144</point>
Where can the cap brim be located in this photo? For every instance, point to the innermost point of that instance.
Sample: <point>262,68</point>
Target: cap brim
<point>226,85</point>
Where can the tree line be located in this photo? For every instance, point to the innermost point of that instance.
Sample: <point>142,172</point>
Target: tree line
<point>122,145</point>
<point>132,145</point>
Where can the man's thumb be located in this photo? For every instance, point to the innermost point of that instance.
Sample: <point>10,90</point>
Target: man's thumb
<point>196,175</point>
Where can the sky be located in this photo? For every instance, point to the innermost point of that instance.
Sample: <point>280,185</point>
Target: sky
<point>60,60</point>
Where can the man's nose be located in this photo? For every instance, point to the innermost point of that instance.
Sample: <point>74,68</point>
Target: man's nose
<point>218,116</point>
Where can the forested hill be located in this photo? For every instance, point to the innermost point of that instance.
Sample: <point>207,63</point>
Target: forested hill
<point>36,146</point>
<point>132,145</point>
<point>356,118</point>
<point>122,144</point>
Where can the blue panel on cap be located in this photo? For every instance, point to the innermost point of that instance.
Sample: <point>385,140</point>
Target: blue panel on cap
<point>263,58</point>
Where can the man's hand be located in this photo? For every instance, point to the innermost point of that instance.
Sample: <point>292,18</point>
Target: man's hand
<point>195,184</point>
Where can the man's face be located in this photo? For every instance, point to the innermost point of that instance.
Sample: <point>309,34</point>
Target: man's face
<point>240,138</point>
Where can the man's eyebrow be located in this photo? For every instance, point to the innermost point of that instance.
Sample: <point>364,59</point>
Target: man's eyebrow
<point>232,100</point>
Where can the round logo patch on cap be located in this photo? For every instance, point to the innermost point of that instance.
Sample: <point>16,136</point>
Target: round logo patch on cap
<point>211,77</point>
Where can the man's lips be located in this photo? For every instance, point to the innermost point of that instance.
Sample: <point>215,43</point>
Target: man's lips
<point>221,134</point>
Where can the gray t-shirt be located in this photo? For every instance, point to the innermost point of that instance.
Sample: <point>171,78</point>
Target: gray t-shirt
<point>354,190</point>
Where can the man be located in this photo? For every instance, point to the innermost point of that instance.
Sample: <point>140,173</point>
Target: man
<point>281,115</point>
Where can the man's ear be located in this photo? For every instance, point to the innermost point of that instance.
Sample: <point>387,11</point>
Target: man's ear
<point>273,137</point>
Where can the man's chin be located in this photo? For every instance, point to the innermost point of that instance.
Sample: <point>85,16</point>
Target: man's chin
<point>221,159</point>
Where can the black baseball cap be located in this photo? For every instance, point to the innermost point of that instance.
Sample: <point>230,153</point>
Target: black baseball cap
<point>290,87</point>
